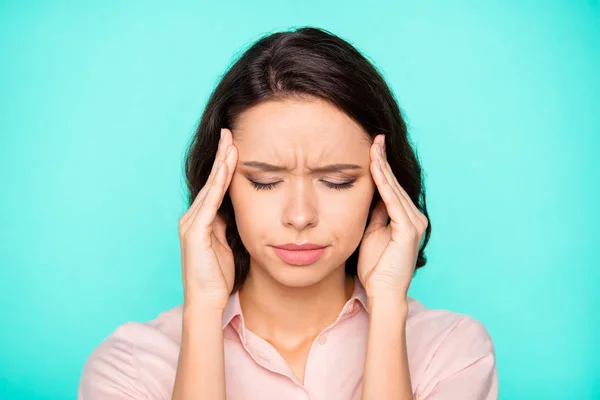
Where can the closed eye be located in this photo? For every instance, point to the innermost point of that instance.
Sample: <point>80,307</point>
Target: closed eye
<point>335,186</point>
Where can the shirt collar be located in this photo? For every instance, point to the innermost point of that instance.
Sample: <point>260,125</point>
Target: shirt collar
<point>233,307</point>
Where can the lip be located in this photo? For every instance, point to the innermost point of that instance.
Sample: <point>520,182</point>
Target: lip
<point>304,246</point>
<point>308,253</point>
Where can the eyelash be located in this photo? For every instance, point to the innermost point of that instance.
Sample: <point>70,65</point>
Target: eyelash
<point>335,186</point>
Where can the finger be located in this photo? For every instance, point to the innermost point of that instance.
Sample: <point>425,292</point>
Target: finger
<point>207,211</point>
<point>389,175</point>
<point>219,226</point>
<point>381,143</point>
<point>422,218</point>
<point>400,189</point>
<point>224,143</point>
<point>394,207</point>
<point>412,205</point>
<point>385,169</point>
<point>190,214</point>
<point>411,210</point>
<point>227,160</point>
<point>386,166</point>
<point>231,159</point>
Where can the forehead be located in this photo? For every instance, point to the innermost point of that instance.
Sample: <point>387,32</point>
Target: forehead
<point>301,127</point>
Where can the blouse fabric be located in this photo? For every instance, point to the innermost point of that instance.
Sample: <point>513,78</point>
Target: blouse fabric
<point>451,356</point>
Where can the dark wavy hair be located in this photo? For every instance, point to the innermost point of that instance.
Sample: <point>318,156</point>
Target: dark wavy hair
<point>309,63</point>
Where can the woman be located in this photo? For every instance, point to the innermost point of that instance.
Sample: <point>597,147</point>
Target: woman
<point>307,221</point>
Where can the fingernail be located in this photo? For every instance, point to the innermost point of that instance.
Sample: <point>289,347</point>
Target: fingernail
<point>228,151</point>
<point>221,138</point>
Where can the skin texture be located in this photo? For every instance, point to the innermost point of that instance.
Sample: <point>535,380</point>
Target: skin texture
<point>298,203</point>
<point>300,207</point>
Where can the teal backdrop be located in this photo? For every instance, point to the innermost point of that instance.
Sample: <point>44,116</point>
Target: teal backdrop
<point>99,99</point>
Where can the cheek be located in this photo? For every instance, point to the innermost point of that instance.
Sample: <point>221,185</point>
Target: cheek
<point>251,211</point>
<point>349,213</point>
<point>358,199</point>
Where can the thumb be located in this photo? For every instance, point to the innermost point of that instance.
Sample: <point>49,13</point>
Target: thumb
<point>219,229</point>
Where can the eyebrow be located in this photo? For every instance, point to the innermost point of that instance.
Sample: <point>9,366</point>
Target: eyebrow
<point>277,168</point>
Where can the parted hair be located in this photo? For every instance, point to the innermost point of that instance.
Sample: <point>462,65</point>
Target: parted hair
<point>305,62</point>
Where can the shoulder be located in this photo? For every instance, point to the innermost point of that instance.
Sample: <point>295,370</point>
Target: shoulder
<point>445,346</point>
<point>437,326</point>
<point>137,359</point>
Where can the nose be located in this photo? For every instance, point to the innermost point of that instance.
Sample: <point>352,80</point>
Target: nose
<point>300,209</point>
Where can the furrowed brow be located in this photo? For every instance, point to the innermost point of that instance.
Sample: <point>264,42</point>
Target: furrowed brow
<point>277,168</point>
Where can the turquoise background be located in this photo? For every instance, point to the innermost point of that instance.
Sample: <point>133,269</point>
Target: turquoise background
<point>98,100</point>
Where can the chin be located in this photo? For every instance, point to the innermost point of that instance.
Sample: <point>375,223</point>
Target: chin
<point>298,276</point>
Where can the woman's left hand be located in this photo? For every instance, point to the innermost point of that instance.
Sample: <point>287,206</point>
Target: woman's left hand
<point>388,253</point>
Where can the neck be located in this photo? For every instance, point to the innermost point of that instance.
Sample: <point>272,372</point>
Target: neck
<point>292,315</point>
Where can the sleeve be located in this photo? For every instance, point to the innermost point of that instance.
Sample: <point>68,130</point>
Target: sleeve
<point>109,373</point>
<point>464,365</point>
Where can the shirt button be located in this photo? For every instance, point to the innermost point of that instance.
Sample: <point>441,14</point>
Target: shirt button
<point>323,339</point>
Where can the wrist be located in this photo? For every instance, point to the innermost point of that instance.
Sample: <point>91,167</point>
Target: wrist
<point>395,305</point>
<point>374,290</point>
<point>201,300</point>
<point>201,310</point>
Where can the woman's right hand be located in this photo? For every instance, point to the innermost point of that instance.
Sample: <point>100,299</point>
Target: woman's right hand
<point>207,260</point>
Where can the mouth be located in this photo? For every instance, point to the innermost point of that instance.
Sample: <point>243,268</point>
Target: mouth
<point>299,257</point>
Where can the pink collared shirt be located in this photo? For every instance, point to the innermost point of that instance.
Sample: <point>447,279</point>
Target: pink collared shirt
<point>451,357</point>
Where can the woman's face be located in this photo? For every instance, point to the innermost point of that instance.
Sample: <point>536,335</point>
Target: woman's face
<point>294,204</point>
